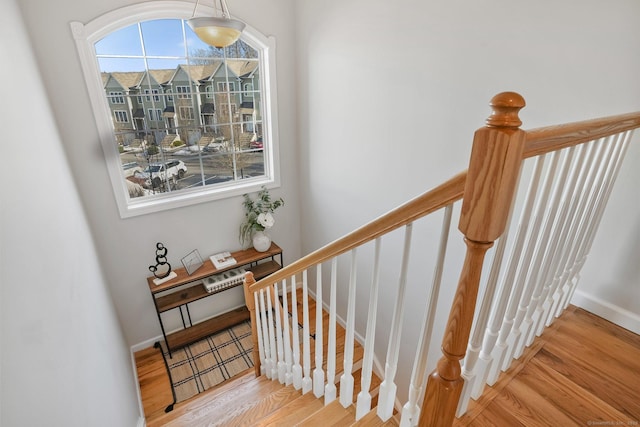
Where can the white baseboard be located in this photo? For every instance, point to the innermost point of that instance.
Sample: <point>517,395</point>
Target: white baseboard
<point>606,310</point>
<point>141,422</point>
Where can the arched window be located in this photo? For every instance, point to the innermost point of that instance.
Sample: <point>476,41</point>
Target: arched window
<point>174,120</point>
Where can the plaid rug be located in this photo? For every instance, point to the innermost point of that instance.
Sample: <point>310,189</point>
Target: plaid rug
<point>210,361</point>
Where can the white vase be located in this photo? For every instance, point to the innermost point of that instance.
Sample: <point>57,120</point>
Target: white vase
<point>261,241</point>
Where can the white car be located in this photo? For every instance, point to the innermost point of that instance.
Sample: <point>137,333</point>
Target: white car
<point>157,173</point>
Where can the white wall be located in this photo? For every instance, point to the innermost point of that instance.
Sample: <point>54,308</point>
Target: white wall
<point>390,94</point>
<point>64,361</point>
<point>127,246</point>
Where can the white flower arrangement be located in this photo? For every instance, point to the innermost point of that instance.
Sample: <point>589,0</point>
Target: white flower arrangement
<point>258,214</point>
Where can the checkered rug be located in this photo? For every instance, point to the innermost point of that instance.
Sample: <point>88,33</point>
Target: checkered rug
<point>210,361</point>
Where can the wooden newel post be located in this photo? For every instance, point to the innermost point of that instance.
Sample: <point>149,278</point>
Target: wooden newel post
<point>251,305</point>
<point>494,167</point>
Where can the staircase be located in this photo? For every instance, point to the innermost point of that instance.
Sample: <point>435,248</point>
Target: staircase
<point>552,183</point>
<point>530,203</point>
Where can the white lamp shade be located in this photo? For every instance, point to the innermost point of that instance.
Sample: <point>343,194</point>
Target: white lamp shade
<point>217,32</point>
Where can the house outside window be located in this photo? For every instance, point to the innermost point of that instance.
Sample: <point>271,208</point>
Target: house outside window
<point>146,59</point>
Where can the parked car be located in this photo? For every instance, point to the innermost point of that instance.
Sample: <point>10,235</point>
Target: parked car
<point>157,173</point>
<point>257,144</point>
<point>131,168</point>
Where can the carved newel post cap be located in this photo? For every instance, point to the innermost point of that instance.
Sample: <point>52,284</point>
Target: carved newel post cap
<point>505,106</point>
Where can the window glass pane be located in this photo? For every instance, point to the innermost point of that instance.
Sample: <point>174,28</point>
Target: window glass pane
<point>163,37</point>
<point>125,41</point>
<point>185,115</point>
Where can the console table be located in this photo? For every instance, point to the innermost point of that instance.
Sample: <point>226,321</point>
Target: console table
<point>184,289</point>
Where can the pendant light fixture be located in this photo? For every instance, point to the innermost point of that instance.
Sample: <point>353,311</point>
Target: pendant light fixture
<point>218,31</point>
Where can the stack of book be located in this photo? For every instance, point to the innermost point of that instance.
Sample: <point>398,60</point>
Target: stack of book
<point>222,260</point>
<point>222,281</point>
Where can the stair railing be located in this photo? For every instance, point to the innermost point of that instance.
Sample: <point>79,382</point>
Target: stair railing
<point>572,171</point>
<point>559,214</point>
<point>272,326</point>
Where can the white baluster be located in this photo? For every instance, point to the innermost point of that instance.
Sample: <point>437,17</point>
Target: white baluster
<point>524,286</point>
<point>265,335</point>
<point>346,379</point>
<point>259,331</point>
<point>296,369</point>
<point>568,237</point>
<point>509,337</point>
<point>318,372</point>
<point>411,410</point>
<point>596,212</point>
<point>282,366</point>
<point>272,336</point>
<point>541,259</point>
<point>364,397</point>
<point>330,388</point>
<point>492,362</point>
<point>556,239</point>
<point>288,376</point>
<point>388,388</point>
<point>306,345</point>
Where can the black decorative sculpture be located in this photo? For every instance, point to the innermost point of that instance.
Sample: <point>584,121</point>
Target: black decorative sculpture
<point>162,268</point>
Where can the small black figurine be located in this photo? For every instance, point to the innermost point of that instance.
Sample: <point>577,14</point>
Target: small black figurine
<point>162,268</point>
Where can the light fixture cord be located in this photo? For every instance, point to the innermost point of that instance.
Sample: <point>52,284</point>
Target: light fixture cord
<point>225,9</point>
<point>195,7</point>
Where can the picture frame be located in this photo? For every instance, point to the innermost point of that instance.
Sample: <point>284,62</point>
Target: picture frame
<point>192,261</point>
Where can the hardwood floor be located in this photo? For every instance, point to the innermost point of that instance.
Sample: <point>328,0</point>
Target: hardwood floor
<point>582,371</point>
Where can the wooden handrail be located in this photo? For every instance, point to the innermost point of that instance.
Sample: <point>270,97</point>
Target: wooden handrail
<point>538,141</point>
<point>420,206</point>
<point>551,138</point>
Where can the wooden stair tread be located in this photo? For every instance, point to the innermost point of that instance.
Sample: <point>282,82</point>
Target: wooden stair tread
<point>372,420</point>
<point>333,414</point>
<point>293,412</point>
<point>217,400</point>
<point>259,408</point>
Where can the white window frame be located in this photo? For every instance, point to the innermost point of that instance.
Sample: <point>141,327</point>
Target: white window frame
<point>186,113</point>
<point>121,116</point>
<point>222,87</point>
<point>116,97</point>
<point>183,91</point>
<point>149,92</point>
<point>155,114</point>
<point>86,35</point>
